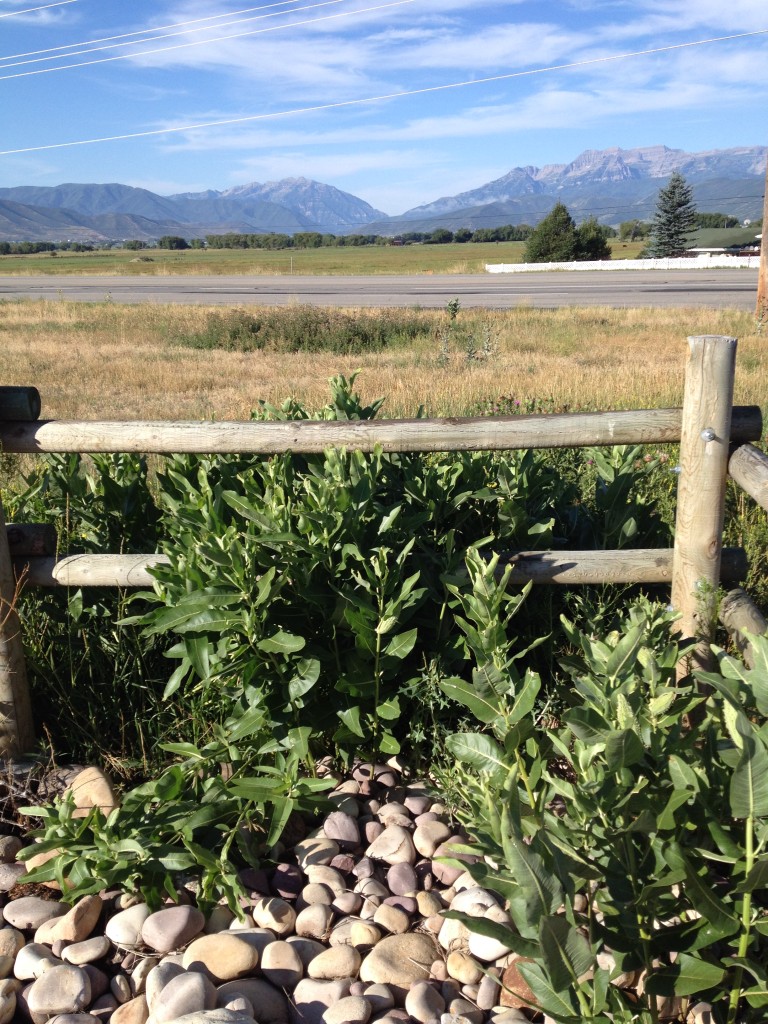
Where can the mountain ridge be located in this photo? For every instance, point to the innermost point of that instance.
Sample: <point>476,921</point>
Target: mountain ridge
<point>613,184</point>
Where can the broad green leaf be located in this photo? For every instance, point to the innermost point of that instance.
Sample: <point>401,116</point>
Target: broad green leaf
<point>249,723</point>
<point>389,710</point>
<point>688,976</point>
<point>401,645</point>
<point>624,654</point>
<point>477,750</point>
<point>757,877</point>
<point>525,698</point>
<point>282,643</point>
<point>703,899</point>
<point>540,892</point>
<point>558,1004</point>
<point>388,744</point>
<point>566,952</point>
<point>623,748</point>
<point>307,674</point>
<point>749,782</point>
<point>351,718</point>
<point>485,710</point>
<point>586,725</point>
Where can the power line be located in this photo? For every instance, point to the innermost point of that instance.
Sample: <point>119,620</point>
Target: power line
<point>30,10</point>
<point>217,39</point>
<point>167,35</point>
<point>377,99</point>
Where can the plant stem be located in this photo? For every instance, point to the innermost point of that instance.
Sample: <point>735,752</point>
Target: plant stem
<point>746,915</point>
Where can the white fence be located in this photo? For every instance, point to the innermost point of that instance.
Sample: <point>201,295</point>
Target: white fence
<point>670,263</point>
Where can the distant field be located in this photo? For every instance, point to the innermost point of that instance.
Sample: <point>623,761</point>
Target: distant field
<point>110,361</point>
<point>467,258</point>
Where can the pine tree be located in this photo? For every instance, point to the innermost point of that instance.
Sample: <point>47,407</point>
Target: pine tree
<point>674,219</point>
<point>554,239</point>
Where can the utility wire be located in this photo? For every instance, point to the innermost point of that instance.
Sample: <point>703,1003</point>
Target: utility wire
<point>30,10</point>
<point>381,98</point>
<point>218,39</point>
<point>167,35</point>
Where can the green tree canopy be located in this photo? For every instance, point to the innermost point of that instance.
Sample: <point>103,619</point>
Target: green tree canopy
<point>554,239</point>
<point>675,218</point>
<point>592,241</point>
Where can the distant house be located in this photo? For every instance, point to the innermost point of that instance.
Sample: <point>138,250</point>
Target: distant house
<point>725,242</point>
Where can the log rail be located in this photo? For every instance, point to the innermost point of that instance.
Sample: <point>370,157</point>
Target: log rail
<point>715,441</point>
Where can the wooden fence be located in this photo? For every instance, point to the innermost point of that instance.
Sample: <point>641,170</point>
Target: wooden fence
<point>714,441</point>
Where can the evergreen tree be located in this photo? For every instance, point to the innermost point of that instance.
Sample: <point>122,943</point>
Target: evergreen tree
<point>675,218</point>
<point>592,241</point>
<point>554,239</point>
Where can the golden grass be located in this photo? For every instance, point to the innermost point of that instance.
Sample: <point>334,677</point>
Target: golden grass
<point>109,361</point>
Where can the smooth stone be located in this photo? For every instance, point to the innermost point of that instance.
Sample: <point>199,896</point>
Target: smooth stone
<point>87,951</point>
<point>368,887</point>
<point>219,920</point>
<point>10,874</point>
<point>124,929</point>
<point>287,881</point>
<point>74,926</point>
<point>463,968</point>
<point>315,851</point>
<point>364,868</point>
<point>9,847</point>
<point>393,846</point>
<point>445,873</point>
<point>141,972</point>
<point>120,987</point>
<point>186,993</point>
<point>259,938</point>
<point>417,803</point>
<point>343,862</point>
<point>92,788</point>
<point>342,932</point>
<point>463,1008</point>
<point>135,1011</point>
<point>274,913</point>
<point>364,935</point>
<point>172,928</point>
<point>489,989</point>
<point>349,1010</point>
<point>429,903</point>
<point>392,809</point>
<point>325,874</point>
<point>380,997</point>
<point>372,830</point>
<point>453,934</point>
<point>159,977</point>
<point>335,963</point>
<point>400,959</point>
<point>407,904</point>
<point>272,1004</point>
<point>29,912</point>
<point>343,829</point>
<point>429,835</point>
<point>311,998</point>
<point>281,964</point>
<point>438,971</point>
<point>423,1002</point>
<point>392,919</point>
<point>33,960</point>
<point>223,957</point>
<point>348,903</point>
<point>307,949</point>
<point>483,946</point>
<point>11,941</point>
<point>220,1016</point>
<point>402,879</point>
<point>62,989</point>
<point>314,893</point>
<point>510,1016</point>
<point>475,901</point>
<point>314,922</point>
<point>99,980</point>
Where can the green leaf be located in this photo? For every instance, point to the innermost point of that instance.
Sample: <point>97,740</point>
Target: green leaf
<point>282,643</point>
<point>623,748</point>
<point>539,893</point>
<point>688,976</point>
<point>307,674</point>
<point>557,1004</point>
<point>400,646</point>
<point>586,725</point>
<point>351,718</point>
<point>388,744</point>
<point>485,710</point>
<point>757,877</point>
<point>389,710</point>
<point>566,952</point>
<point>477,750</point>
<point>624,654</point>
<point>749,782</point>
<point>699,891</point>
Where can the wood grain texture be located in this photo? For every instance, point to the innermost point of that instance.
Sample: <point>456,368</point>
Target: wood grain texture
<point>748,466</point>
<point>16,732</point>
<point>19,403</point>
<point>743,619</point>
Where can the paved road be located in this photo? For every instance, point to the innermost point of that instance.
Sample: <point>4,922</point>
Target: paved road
<point>547,289</point>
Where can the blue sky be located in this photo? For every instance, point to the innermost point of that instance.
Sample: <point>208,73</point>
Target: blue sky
<point>272,64</point>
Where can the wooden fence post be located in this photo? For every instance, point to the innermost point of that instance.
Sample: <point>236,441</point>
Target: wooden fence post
<point>705,437</point>
<point>16,732</point>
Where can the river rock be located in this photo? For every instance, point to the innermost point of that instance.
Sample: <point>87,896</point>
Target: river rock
<point>400,959</point>
<point>325,874</point>
<point>10,875</point>
<point>222,957</point>
<point>62,989</point>
<point>189,992</point>
<point>314,922</point>
<point>334,963</point>
<point>343,829</point>
<point>393,846</point>
<point>463,968</point>
<point>124,929</point>
<point>33,960</point>
<point>92,788</point>
<point>402,879</point>
<point>272,1004</point>
<point>74,926</point>
<point>172,928</point>
<point>428,836</point>
<point>311,998</point>
<point>391,919</point>
<point>484,947</point>
<point>135,1011</point>
<point>349,1010</point>
<point>423,1002</point>
<point>281,964</point>
<point>29,912</point>
<point>87,951</point>
<point>221,1016</point>
<point>306,948</point>
<point>274,913</point>
<point>315,851</point>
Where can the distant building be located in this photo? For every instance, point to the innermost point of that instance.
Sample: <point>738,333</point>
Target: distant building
<point>725,242</point>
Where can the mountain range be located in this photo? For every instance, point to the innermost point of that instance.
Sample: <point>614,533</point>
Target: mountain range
<point>612,184</point>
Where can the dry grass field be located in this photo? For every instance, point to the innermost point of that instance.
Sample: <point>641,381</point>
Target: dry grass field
<point>108,361</point>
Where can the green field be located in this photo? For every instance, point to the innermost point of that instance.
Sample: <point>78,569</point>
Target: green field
<point>454,258</point>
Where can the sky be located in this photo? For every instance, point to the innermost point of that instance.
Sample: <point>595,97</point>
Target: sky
<point>399,102</point>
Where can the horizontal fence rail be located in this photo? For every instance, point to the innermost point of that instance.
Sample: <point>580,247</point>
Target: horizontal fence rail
<point>269,437</point>
<point>640,565</point>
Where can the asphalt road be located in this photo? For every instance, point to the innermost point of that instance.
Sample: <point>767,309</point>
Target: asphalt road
<point>734,289</point>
